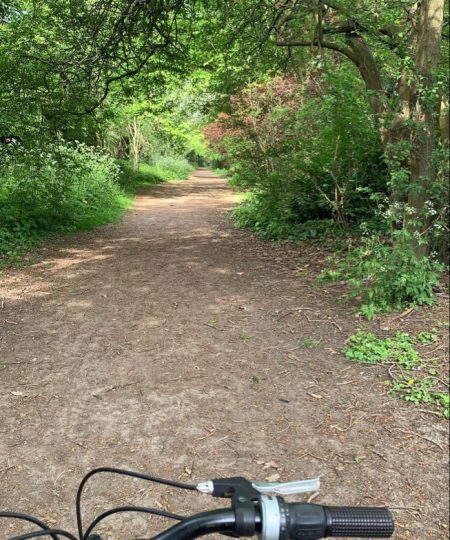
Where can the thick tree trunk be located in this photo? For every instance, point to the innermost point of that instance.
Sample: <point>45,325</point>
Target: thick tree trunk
<point>423,137</point>
<point>414,122</point>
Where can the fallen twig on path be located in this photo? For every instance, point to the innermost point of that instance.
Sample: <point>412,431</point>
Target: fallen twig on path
<point>313,496</point>
<point>379,455</point>
<point>6,469</point>
<point>421,437</point>
<point>346,382</point>
<point>411,508</point>
<point>403,314</point>
<point>439,415</point>
<point>285,315</point>
<point>351,424</point>
<point>334,323</point>
<point>5,364</point>
<point>212,326</point>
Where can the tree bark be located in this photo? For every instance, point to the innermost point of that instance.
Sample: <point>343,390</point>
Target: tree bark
<point>414,122</point>
<point>134,130</point>
<point>444,123</point>
<point>422,131</point>
<point>368,68</point>
<point>123,148</point>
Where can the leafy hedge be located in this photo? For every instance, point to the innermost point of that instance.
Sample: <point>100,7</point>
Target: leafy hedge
<point>65,188</point>
<point>68,188</point>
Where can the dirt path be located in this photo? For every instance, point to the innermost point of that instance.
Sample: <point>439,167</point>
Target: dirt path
<point>175,344</point>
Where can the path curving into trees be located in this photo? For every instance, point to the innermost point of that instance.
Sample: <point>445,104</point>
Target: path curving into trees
<point>175,343</point>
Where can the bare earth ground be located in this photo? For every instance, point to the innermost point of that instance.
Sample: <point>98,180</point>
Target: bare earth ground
<point>171,343</point>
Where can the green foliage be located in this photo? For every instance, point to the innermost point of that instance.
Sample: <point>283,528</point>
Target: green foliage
<point>366,347</point>
<point>415,380</point>
<point>221,171</point>
<point>386,276</point>
<point>421,391</point>
<point>62,189</point>
<point>163,169</point>
<point>166,126</point>
<point>291,142</point>
<point>68,188</point>
<point>170,168</point>
<point>262,214</point>
<point>426,338</point>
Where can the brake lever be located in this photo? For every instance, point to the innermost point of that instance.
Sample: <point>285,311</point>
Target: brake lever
<point>228,487</point>
<point>287,488</point>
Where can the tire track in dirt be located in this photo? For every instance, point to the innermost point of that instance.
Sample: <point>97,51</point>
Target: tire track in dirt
<point>171,342</point>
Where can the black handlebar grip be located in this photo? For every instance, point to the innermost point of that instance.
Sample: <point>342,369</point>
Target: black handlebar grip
<point>359,522</point>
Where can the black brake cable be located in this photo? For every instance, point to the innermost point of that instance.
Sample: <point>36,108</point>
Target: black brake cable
<point>118,510</point>
<point>30,519</point>
<point>133,474</point>
<point>51,532</point>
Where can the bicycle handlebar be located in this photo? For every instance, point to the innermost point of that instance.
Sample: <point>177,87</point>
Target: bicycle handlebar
<point>288,521</point>
<point>313,521</point>
<point>215,521</point>
<point>253,511</point>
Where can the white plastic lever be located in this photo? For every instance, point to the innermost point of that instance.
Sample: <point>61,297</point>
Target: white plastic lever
<point>288,488</point>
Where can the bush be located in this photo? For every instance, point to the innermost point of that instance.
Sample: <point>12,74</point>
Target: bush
<point>387,276</point>
<point>271,220</point>
<point>293,145</point>
<point>62,189</point>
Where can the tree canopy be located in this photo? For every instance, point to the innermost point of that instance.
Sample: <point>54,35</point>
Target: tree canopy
<point>309,103</point>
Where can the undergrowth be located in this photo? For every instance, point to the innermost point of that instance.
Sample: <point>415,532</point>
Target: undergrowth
<point>68,188</point>
<point>162,169</point>
<point>264,216</point>
<point>414,378</point>
<point>385,276</point>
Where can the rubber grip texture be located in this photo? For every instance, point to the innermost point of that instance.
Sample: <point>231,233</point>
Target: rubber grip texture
<point>359,522</point>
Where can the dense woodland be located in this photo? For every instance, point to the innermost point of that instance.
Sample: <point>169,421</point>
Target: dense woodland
<point>332,116</point>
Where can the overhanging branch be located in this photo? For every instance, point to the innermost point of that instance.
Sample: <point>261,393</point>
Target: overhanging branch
<point>320,43</point>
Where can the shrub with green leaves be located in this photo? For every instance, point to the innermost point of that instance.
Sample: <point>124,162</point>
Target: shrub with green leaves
<point>270,219</point>
<point>64,188</point>
<point>386,276</point>
<point>169,167</point>
<point>291,143</point>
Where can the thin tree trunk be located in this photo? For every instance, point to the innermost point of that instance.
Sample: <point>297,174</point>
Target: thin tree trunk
<point>123,148</point>
<point>444,123</point>
<point>367,66</point>
<point>134,129</point>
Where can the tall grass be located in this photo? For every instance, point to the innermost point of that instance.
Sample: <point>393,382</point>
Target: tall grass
<point>161,169</point>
